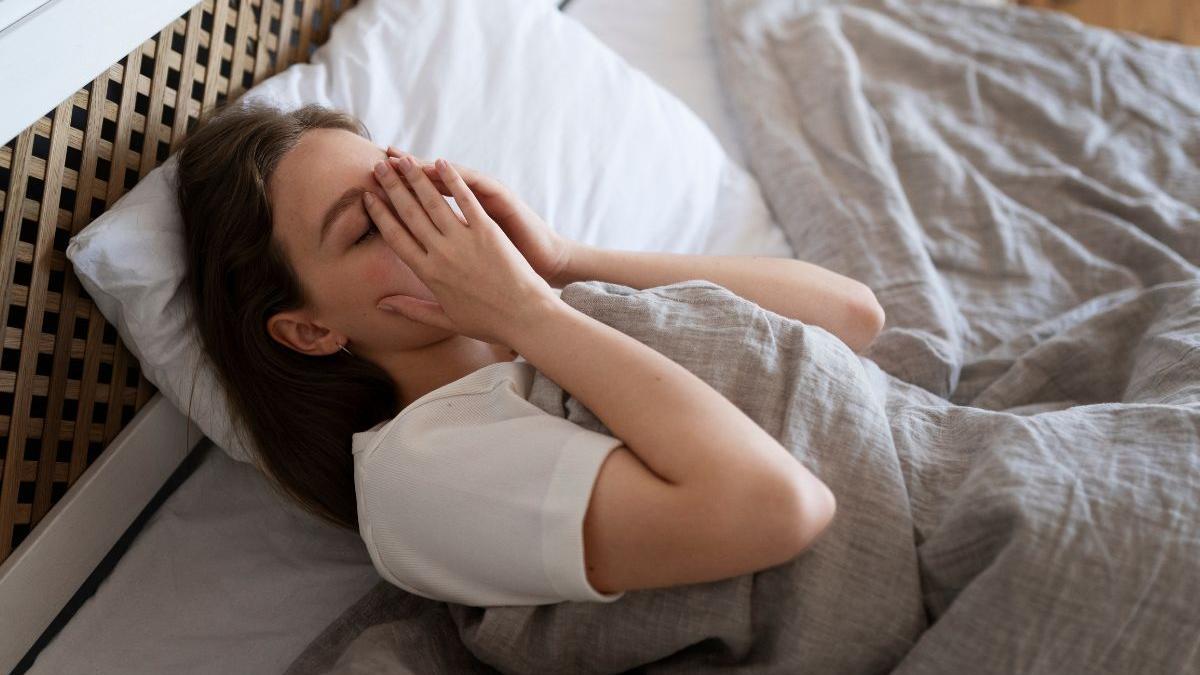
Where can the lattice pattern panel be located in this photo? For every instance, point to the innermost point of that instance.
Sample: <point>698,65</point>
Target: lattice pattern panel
<point>63,367</point>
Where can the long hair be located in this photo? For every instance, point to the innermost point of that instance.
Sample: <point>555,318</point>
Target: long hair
<point>300,411</point>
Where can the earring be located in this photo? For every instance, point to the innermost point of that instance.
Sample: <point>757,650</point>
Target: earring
<point>343,348</point>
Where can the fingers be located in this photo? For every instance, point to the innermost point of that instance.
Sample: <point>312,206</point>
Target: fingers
<point>479,182</point>
<point>427,167</point>
<point>396,235</point>
<point>431,200</point>
<point>407,206</point>
<point>417,309</point>
<point>462,194</point>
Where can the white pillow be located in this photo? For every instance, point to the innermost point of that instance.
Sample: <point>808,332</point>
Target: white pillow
<point>511,87</point>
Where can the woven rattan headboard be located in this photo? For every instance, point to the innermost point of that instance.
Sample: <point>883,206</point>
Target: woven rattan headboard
<point>63,366</point>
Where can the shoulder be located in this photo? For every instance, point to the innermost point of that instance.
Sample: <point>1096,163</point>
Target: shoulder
<point>479,496</point>
<point>452,405</point>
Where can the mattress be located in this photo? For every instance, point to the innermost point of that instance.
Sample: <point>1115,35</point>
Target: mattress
<point>226,576</point>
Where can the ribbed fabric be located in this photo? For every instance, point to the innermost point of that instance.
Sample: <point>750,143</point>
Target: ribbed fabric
<point>474,495</point>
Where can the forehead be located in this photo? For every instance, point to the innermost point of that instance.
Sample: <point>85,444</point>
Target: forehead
<point>311,176</point>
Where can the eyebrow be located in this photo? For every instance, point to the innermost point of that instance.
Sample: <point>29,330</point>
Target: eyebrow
<point>348,199</point>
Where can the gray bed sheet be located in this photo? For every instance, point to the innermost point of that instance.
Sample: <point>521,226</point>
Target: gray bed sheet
<point>1017,456</point>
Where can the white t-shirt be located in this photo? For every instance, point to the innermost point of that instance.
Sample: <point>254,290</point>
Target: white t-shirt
<point>476,496</point>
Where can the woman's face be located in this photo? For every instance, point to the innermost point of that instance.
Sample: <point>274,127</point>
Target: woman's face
<point>319,220</point>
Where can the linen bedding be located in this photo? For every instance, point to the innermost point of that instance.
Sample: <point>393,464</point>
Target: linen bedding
<point>1016,458</point>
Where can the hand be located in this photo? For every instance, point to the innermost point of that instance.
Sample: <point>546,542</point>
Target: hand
<point>547,251</point>
<point>485,288</point>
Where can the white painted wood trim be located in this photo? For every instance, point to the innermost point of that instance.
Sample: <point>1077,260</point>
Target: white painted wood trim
<point>39,578</point>
<point>13,10</point>
<point>62,45</point>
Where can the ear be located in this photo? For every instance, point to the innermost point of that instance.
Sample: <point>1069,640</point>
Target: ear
<point>296,329</point>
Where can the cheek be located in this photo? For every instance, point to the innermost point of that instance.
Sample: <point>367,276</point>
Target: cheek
<point>379,272</point>
<point>387,273</point>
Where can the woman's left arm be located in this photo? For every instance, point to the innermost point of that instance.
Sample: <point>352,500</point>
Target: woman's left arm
<point>793,288</point>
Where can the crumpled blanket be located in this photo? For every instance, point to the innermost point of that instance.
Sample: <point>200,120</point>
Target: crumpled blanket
<point>1016,458</point>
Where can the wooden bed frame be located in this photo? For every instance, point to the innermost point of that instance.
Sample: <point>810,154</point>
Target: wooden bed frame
<point>73,401</point>
<point>1177,20</point>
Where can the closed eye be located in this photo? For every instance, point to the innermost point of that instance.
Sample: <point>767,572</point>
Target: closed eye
<point>371,230</point>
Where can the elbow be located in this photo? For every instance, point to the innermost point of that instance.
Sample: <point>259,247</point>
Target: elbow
<point>815,508</point>
<point>871,318</point>
<point>819,509</point>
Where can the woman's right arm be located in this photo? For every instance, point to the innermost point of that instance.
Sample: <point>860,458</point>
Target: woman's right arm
<point>700,492</point>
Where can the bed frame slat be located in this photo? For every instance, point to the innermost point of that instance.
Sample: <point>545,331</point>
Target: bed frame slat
<point>47,225</point>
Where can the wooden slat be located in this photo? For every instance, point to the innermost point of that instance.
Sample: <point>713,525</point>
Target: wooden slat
<point>120,160</point>
<point>83,414</point>
<point>94,431</point>
<point>158,89</point>
<point>321,33</point>
<point>240,61</point>
<point>9,482</point>
<point>144,391</point>
<point>186,75</point>
<point>47,226</point>
<point>116,393</point>
<point>285,54</point>
<point>40,384</point>
<point>213,67</point>
<point>18,296</point>
<point>262,59</point>
<point>306,31</point>
<point>29,473</point>
<point>12,220</point>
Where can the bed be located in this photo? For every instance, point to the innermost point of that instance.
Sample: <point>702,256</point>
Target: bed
<point>223,577</point>
<point>283,577</point>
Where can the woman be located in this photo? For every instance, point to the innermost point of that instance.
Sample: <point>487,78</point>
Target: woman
<point>338,294</point>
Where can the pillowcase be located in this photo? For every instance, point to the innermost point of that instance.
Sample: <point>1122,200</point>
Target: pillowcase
<point>510,87</point>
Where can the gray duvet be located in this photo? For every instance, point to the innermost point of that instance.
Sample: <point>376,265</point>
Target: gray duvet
<point>1016,458</point>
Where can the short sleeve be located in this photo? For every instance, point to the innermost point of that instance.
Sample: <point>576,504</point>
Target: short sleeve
<point>479,498</point>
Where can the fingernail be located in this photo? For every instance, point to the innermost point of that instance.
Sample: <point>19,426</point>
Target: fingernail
<point>406,163</point>
<point>380,169</point>
<point>386,308</point>
<point>368,198</point>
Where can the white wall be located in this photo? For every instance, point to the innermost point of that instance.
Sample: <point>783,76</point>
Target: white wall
<point>62,45</point>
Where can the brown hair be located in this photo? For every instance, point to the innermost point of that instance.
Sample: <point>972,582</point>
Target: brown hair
<point>300,410</point>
